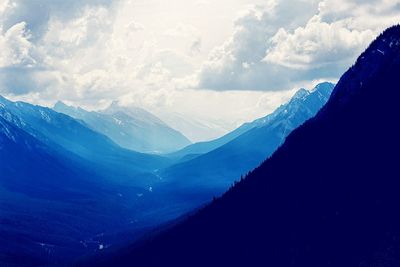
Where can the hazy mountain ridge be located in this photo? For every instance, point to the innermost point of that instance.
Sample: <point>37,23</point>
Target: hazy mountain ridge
<point>130,127</point>
<point>59,130</point>
<point>204,147</point>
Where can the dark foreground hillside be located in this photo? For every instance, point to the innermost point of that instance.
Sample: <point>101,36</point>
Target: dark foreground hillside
<point>330,196</point>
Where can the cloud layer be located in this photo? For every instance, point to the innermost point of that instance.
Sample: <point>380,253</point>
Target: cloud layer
<point>277,45</point>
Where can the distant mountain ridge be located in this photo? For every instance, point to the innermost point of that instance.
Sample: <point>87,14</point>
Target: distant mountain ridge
<point>212,173</point>
<point>327,197</point>
<point>132,128</point>
<point>61,131</point>
<point>204,147</point>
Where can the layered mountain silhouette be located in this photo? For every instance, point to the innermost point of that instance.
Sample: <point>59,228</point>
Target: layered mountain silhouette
<point>61,131</point>
<point>240,151</point>
<point>303,105</point>
<point>66,190</point>
<point>329,196</point>
<point>132,128</point>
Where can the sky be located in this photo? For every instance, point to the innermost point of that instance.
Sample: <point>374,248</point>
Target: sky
<point>217,63</point>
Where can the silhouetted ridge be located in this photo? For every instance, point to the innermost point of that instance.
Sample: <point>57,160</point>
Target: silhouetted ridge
<point>328,197</point>
<point>382,53</point>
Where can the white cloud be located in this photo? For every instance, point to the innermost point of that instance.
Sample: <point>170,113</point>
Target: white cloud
<point>188,35</point>
<point>6,6</point>
<point>37,13</point>
<point>276,47</point>
<point>15,47</point>
<point>17,60</point>
<point>82,31</point>
<point>238,64</point>
<point>182,30</point>
<point>335,36</point>
<point>318,44</point>
<point>135,26</point>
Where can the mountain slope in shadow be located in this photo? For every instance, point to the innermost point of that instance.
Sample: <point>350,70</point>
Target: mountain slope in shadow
<point>328,197</point>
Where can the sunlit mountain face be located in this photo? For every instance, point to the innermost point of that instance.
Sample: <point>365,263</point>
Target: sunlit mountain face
<point>199,133</point>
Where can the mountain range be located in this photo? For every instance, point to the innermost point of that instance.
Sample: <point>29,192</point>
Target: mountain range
<point>327,197</point>
<point>307,102</point>
<point>61,165</point>
<point>61,131</point>
<point>67,190</point>
<point>50,157</point>
<point>216,165</point>
<point>132,128</point>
